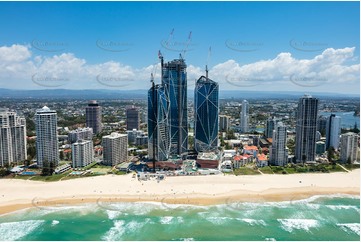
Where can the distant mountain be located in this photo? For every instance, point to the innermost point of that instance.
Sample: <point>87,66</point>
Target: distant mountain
<point>142,94</point>
<point>71,94</point>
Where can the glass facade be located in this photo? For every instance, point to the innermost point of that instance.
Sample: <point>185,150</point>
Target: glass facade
<point>206,115</point>
<point>158,128</point>
<point>174,81</point>
<point>306,127</point>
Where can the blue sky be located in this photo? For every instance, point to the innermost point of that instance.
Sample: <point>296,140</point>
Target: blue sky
<point>252,43</point>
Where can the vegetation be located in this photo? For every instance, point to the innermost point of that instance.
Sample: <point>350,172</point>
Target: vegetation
<point>30,127</point>
<point>291,146</point>
<point>117,172</point>
<point>352,166</point>
<point>48,168</point>
<point>31,149</point>
<point>4,172</point>
<point>278,170</point>
<point>69,121</point>
<point>266,170</point>
<point>245,171</point>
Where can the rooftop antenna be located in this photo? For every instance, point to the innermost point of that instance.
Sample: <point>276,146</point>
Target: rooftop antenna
<point>208,58</point>
<point>160,56</point>
<point>152,79</point>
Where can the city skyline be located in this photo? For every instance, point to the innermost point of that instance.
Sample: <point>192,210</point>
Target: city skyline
<point>108,51</point>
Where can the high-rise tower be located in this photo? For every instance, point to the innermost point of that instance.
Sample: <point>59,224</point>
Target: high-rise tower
<point>93,114</point>
<point>12,137</point>
<point>279,151</point>
<point>133,118</point>
<point>306,127</point>
<point>47,149</point>
<point>158,127</point>
<point>174,81</point>
<point>244,116</point>
<point>333,131</point>
<point>206,114</point>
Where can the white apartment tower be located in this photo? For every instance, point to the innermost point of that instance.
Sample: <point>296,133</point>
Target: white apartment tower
<point>82,153</point>
<point>244,116</point>
<point>279,151</point>
<point>47,149</point>
<point>115,148</point>
<point>80,134</point>
<point>12,137</point>
<point>349,147</point>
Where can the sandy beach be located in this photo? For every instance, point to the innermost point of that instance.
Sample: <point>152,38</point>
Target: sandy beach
<point>17,194</point>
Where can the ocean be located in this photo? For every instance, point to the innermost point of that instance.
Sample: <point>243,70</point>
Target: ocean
<point>335,217</point>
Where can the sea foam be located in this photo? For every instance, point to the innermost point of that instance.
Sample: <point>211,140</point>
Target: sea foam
<point>353,227</point>
<point>301,224</point>
<point>17,230</point>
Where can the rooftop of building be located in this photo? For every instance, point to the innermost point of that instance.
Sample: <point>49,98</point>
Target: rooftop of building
<point>115,135</point>
<point>208,156</point>
<point>250,147</point>
<point>262,157</point>
<point>45,109</point>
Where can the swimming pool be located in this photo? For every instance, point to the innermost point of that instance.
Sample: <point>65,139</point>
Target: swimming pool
<point>28,173</point>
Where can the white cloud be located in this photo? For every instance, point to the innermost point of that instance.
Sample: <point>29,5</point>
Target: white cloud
<point>284,72</point>
<point>327,68</point>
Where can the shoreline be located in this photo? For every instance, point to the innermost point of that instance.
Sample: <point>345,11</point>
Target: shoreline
<point>208,190</point>
<point>197,200</point>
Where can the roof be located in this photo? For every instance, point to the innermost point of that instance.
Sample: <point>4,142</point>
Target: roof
<point>262,157</point>
<point>250,147</point>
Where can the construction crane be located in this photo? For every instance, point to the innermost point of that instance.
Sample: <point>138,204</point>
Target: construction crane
<point>186,48</point>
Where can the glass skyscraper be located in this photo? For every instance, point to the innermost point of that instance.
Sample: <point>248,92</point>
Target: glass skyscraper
<point>244,116</point>
<point>306,127</point>
<point>206,114</point>
<point>93,114</point>
<point>158,128</point>
<point>333,131</point>
<point>174,81</point>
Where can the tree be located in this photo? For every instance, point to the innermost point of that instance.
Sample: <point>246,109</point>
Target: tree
<point>61,155</point>
<point>349,160</point>
<point>48,168</point>
<point>291,146</point>
<point>331,155</point>
<point>4,172</point>
<point>230,135</point>
<point>355,129</point>
<point>27,163</point>
<point>304,157</point>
